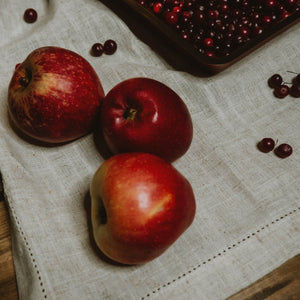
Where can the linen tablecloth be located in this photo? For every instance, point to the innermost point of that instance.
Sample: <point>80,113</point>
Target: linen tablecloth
<point>248,206</point>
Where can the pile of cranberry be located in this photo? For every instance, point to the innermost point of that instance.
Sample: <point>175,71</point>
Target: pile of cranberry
<point>217,27</point>
<point>282,89</point>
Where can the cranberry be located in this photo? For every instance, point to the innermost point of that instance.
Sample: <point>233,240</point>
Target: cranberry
<point>224,8</point>
<point>285,14</point>
<point>283,150</point>
<point>171,17</point>
<point>209,53</point>
<point>186,14</point>
<point>244,32</point>
<point>275,80</point>
<point>291,3</point>
<point>266,145</point>
<point>297,79</point>
<point>237,13</point>
<point>281,91</point>
<point>199,17</point>
<point>176,9</point>
<point>256,15</point>
<point>257,30</point>
<point>158,7</point>
<point>110,47</point>
<point>198,38</point>
<point>30,15</point>
<point>212,14</point>
<point>185,35</point>
<point>143,2</point>
<point>189,4</point>
<point>295,90</point>
<point>208,42</point>
<point>97,49</point>
<point>270,3</point>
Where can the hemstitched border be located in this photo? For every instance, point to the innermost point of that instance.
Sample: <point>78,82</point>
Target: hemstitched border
<point>220,253</point>
<point>30,251</point>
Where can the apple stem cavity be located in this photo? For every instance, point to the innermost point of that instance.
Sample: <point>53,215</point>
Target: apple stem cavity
<point>130,113</point>
<point>24,80</point>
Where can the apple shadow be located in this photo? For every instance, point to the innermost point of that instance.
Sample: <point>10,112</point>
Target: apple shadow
<point>101,144</point>
<point>96,250</point>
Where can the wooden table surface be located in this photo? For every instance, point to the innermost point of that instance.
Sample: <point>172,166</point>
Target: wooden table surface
<point>281,284</point>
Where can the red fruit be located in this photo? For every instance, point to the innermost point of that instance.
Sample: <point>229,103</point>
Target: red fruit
<point>158,7</point>
<point>295,90</point>
<point>281,91</point>
<point>297,79</point>
<point>54,95</point>
<point>208,42</point>
<point>144,115</point>
<point>110,47</point>
<point>171,17</point>
<point>140,205</point>
<point>97,49</point>
<point>275,81</point>
<point>266,145</point>
<point>283,150</point>
<point>30,15</point>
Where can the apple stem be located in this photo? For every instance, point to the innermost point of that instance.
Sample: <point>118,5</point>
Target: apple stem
<point>130,113</point>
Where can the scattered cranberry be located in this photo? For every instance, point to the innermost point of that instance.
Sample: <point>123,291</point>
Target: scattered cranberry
<point>275,80</point>
<point>266,145</point>
<point>297,79</point>
<point>97,49</point>
<point>295,90</point>
<point>30,15</point>
<point>110,47</point>
<point>281,91</point>
<point>283,150</point>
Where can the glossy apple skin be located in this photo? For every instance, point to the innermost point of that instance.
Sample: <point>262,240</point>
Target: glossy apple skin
<point>140,205</point>
<point>54,95</point>
<point>145,115</point>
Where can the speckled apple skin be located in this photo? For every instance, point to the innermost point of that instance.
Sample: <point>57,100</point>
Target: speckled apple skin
<point>54,95</point>
<point>140,205</point>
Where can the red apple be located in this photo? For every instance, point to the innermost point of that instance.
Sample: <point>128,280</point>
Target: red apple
<point>54,95</point>
<point>145,115</point>
<point>140,205</point>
